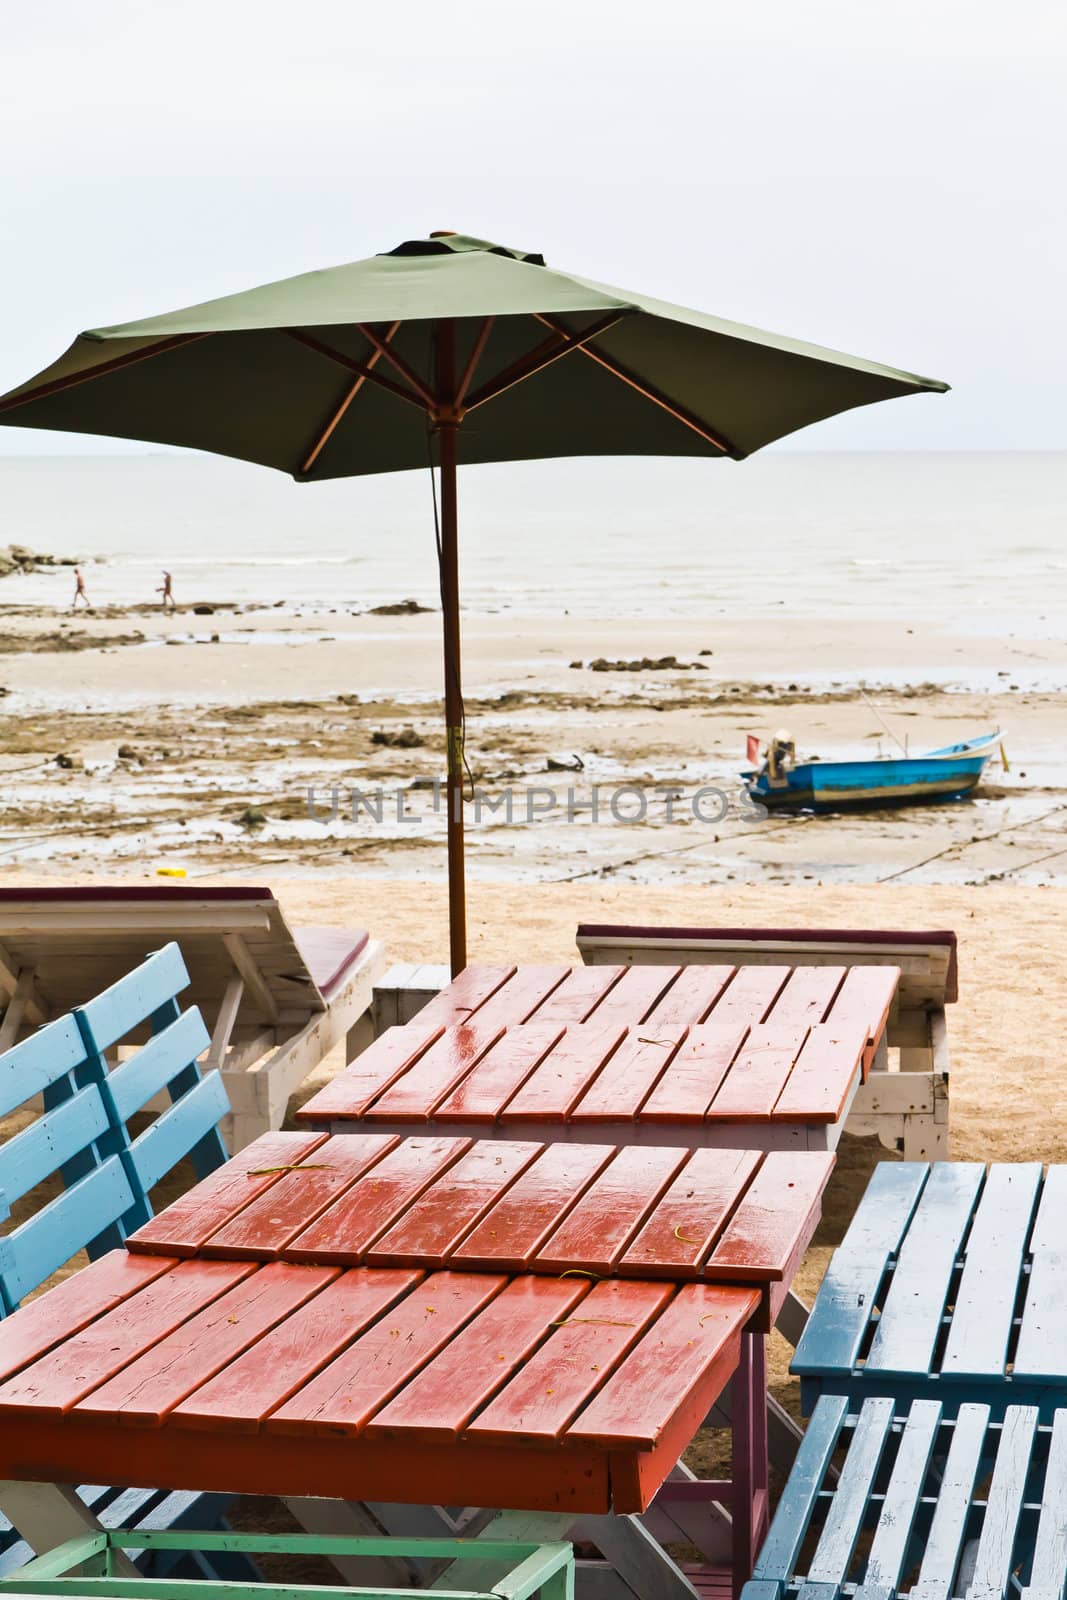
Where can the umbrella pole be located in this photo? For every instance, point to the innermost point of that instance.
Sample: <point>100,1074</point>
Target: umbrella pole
<point>447,423</point>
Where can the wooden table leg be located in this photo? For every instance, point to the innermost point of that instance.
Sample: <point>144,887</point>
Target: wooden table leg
<point>749,1506</point>
<point>48,1514</point>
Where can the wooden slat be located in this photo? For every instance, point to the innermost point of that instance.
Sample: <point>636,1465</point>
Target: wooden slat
<point>807,995</point>
<point>757,1077</point>
<point>347,1229</point>
<point>262,1229</point>
<point>907,1330</point>
<point>749,997</point>
<point>613,1208</point>
<point>385,1358</point>
<point>1048,1237</point>
<point>691,1215</point>
<point>771,1227</point>
<point>777,1559</point>
<point>58,1380</point>
<point>1050,1547</point>
<point>186,1223</point>
<point>372,1072</point>
<point>829,1062</point>
<point>144,1392</point>
<point>285,1360</point>
<point>686,1090</point>
<point>38,1061</point>
<point>892,1539</point>
<point>73,1304</point>
<point>636,993</point>
<point>520,997</point>
<point>464,995</point>
<point>670,1371</point>
<point>554,1087</point>
<point>580,994</point>
<point>515,1227</point>
<point>546,1394</point>
<point>438,1403</point>
<point>691,996</point>
<point>866,996</point>
<point>985,1299</point>
<point>445,1064</point>
<point>624,1082</point>
<point>952,1513</point>
<point>435,1223</point>
<point>848,1508</point>
<point>1041,1347</point>
<point>488,1087</point>
<point>994,1559</point>
<point>834,1333</point>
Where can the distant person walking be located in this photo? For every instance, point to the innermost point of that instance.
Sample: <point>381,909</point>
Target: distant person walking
<point>166,590</point>
<point>79,592</point>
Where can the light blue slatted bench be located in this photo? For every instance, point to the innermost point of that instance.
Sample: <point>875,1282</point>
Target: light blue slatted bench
<point>922,1507</point>
<point>951,1283</point>
<point>83,1136</point>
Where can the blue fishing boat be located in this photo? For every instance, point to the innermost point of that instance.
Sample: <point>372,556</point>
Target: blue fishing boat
<point>783,784</point>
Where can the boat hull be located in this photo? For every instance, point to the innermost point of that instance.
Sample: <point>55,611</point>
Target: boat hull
<point>867,785</point>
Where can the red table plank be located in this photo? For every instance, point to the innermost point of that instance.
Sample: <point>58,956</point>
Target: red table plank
<point>520,997</point>
<point>488,1087</point>
<point>614,1206</point>
<point>233,1185</point>
<point>554,1087</point>
<point>58,1380</point>
<point>374,1070</point>
<point>284,1360</point>
<point>685,1092</point>
<point>580,993</point>
<point>750,996</point>
<point>691,996</point>
<point>544,1397</point>
<point>432,1227</point>
<point>145,1391</point>
<point>73,1304</point>
<point>465,995</point>
<point>350,1226</point>
<point>668,1372</point>
<point>413,1095</point>
<point>390,1353</point>
<point>438,1403</point>
<point>818,1085</point>
<point>866,996</point>
<point>511,1233</point>
<point>625,1081</point>
<point>750,1090</point>
<point>775,1219</point>
<point>260,1230</point>
<point>634,995</point>
<point>678,1237</point>
<point>807,995</point>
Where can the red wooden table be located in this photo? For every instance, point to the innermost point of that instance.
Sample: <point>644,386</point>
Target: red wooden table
<point>424,1321</point>
<point>657,1055</point>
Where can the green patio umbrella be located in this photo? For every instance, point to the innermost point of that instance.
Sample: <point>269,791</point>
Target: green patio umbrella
<point>452,346</point>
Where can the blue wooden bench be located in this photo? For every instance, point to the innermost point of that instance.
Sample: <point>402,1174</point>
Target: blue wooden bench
<point>951,1283</point>
<point>83,1139</point>
<point>922,1506</point>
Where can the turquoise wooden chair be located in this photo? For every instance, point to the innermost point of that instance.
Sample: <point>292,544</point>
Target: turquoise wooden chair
<point>83,1138</point>
<point>921,1507</point>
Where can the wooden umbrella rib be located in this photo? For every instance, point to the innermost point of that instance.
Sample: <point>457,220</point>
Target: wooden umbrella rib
<point>541,356</point>
<point>360,368</point>
<point>477,350</point>
<point>101,370</point>
<point>326,431</point>
<point>680,414</point>
<point>381,346</point>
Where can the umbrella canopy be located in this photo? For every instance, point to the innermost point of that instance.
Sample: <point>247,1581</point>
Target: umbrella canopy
<point>455,346</point>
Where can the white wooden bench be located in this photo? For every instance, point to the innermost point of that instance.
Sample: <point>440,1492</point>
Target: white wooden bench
<point>276,999</point>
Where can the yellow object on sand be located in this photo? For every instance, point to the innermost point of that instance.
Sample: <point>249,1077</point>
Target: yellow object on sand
<point>170,872</point>
<point>1004,759</point>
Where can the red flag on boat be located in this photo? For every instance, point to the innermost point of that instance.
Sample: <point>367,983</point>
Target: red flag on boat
<point>752,748</point>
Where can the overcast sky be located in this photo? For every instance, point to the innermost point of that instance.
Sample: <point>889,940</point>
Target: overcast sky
<point>886,178</point>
